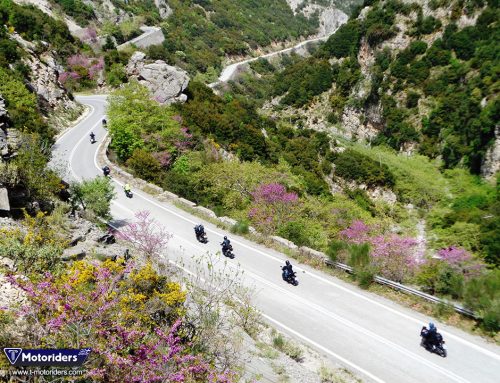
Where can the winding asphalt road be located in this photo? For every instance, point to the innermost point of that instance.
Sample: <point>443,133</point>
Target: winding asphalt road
<point>368,334</point>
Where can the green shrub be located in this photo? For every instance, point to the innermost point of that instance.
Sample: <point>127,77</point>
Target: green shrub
<point>94,195</point>
<point>437,277</point>
<point>22,106</point>
<point>344,42</point>
<point>297,232</point>
<point>359,256</point>
<point>417,47</point>
<point>304,80</point>
<point>359,260</point>
<point>365,277</point>
<point>352,165</point>
<point>437,55</point>
<point>412,99</point>
<point>78,10</point>
<point>34,25</point>
<point>262,66</point>
<point>483,296</point>
<point>144,165</point>
<point>334,249</point>
<point>240,227</point>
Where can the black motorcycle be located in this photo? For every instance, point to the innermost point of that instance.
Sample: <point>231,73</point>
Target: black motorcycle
<point>106,171</point>
<point>128,193</point>
<point>436,346</point>
<point>228,251</point>
<point>289,277</point>
<point>201,236</point>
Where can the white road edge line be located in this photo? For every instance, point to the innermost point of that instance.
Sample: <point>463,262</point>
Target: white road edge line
<point>286,328</point>
<point>314,275</point>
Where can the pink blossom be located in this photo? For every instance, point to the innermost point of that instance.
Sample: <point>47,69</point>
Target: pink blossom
<point>164,158</point>
<point>462,261</point>
<point>272,206</point>
<point>146,234</point>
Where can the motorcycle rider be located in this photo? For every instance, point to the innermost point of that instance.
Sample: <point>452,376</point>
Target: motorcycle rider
<point>92,137</point>
<point>430,335</point>
<point>226,245</point>
<point>127,189</point>
<point>288,270</point>
<point>199,231</point>
<point>106,170</point>
<point>104,122</point>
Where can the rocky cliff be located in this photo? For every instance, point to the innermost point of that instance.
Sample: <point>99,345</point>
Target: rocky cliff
<point>416,76</point>
<point>43,76</point>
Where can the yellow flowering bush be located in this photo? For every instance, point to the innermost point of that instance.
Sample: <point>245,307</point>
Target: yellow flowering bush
<point>151,297</point>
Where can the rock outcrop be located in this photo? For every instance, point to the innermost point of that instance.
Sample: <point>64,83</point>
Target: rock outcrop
<point>165,82</point>
<point>163,8</point>
<point>44,76</point>
<point>491,164</point>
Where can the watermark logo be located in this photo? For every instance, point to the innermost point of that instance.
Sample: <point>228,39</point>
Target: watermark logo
<point>12,353</point>
<point>48,357</point>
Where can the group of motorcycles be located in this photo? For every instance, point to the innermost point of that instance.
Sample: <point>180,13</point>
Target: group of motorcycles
<point>288,274</point>
<point>431,340</point>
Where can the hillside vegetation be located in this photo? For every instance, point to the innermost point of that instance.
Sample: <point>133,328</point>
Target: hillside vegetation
<point>284,177</point>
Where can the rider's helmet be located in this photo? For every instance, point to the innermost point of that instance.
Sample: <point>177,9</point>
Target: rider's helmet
<point>225,238</point>
<point>287,263</point>
<point>431,326</point>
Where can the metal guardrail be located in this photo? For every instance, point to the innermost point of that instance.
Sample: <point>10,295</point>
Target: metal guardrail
<point>398,286</point>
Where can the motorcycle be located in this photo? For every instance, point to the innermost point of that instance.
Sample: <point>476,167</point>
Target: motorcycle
<point>106,171</point>
<point>228,251</point>
<point>128,193</point>
<point>201,237</point>
<point>289,278</point>
<point>104,122</point>
<point>439,347</point>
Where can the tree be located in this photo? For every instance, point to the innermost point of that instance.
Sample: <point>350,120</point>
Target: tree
<point>344,42</point>
<point>147,235</point>
<point>136,121</point>
<point>94,195</point>
<point>145,165</point>
<point>482,294</point>
<point>392,255</point>
<point>272,206</point>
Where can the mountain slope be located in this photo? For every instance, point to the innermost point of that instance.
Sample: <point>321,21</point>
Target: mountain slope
<point>417,77</point>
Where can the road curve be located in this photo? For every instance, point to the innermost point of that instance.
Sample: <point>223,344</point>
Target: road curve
<point>229,71</point>
<point>368,334</point>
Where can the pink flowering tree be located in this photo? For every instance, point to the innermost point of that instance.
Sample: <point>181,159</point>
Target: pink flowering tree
<point>81,71</point>
<point>83,309</point>
<point>461,261</point>
<point>146,234</point>
<point>272,206</point>
<point>392,255</point>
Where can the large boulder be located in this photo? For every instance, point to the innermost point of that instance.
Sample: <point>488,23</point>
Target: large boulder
<point>165,82</point>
